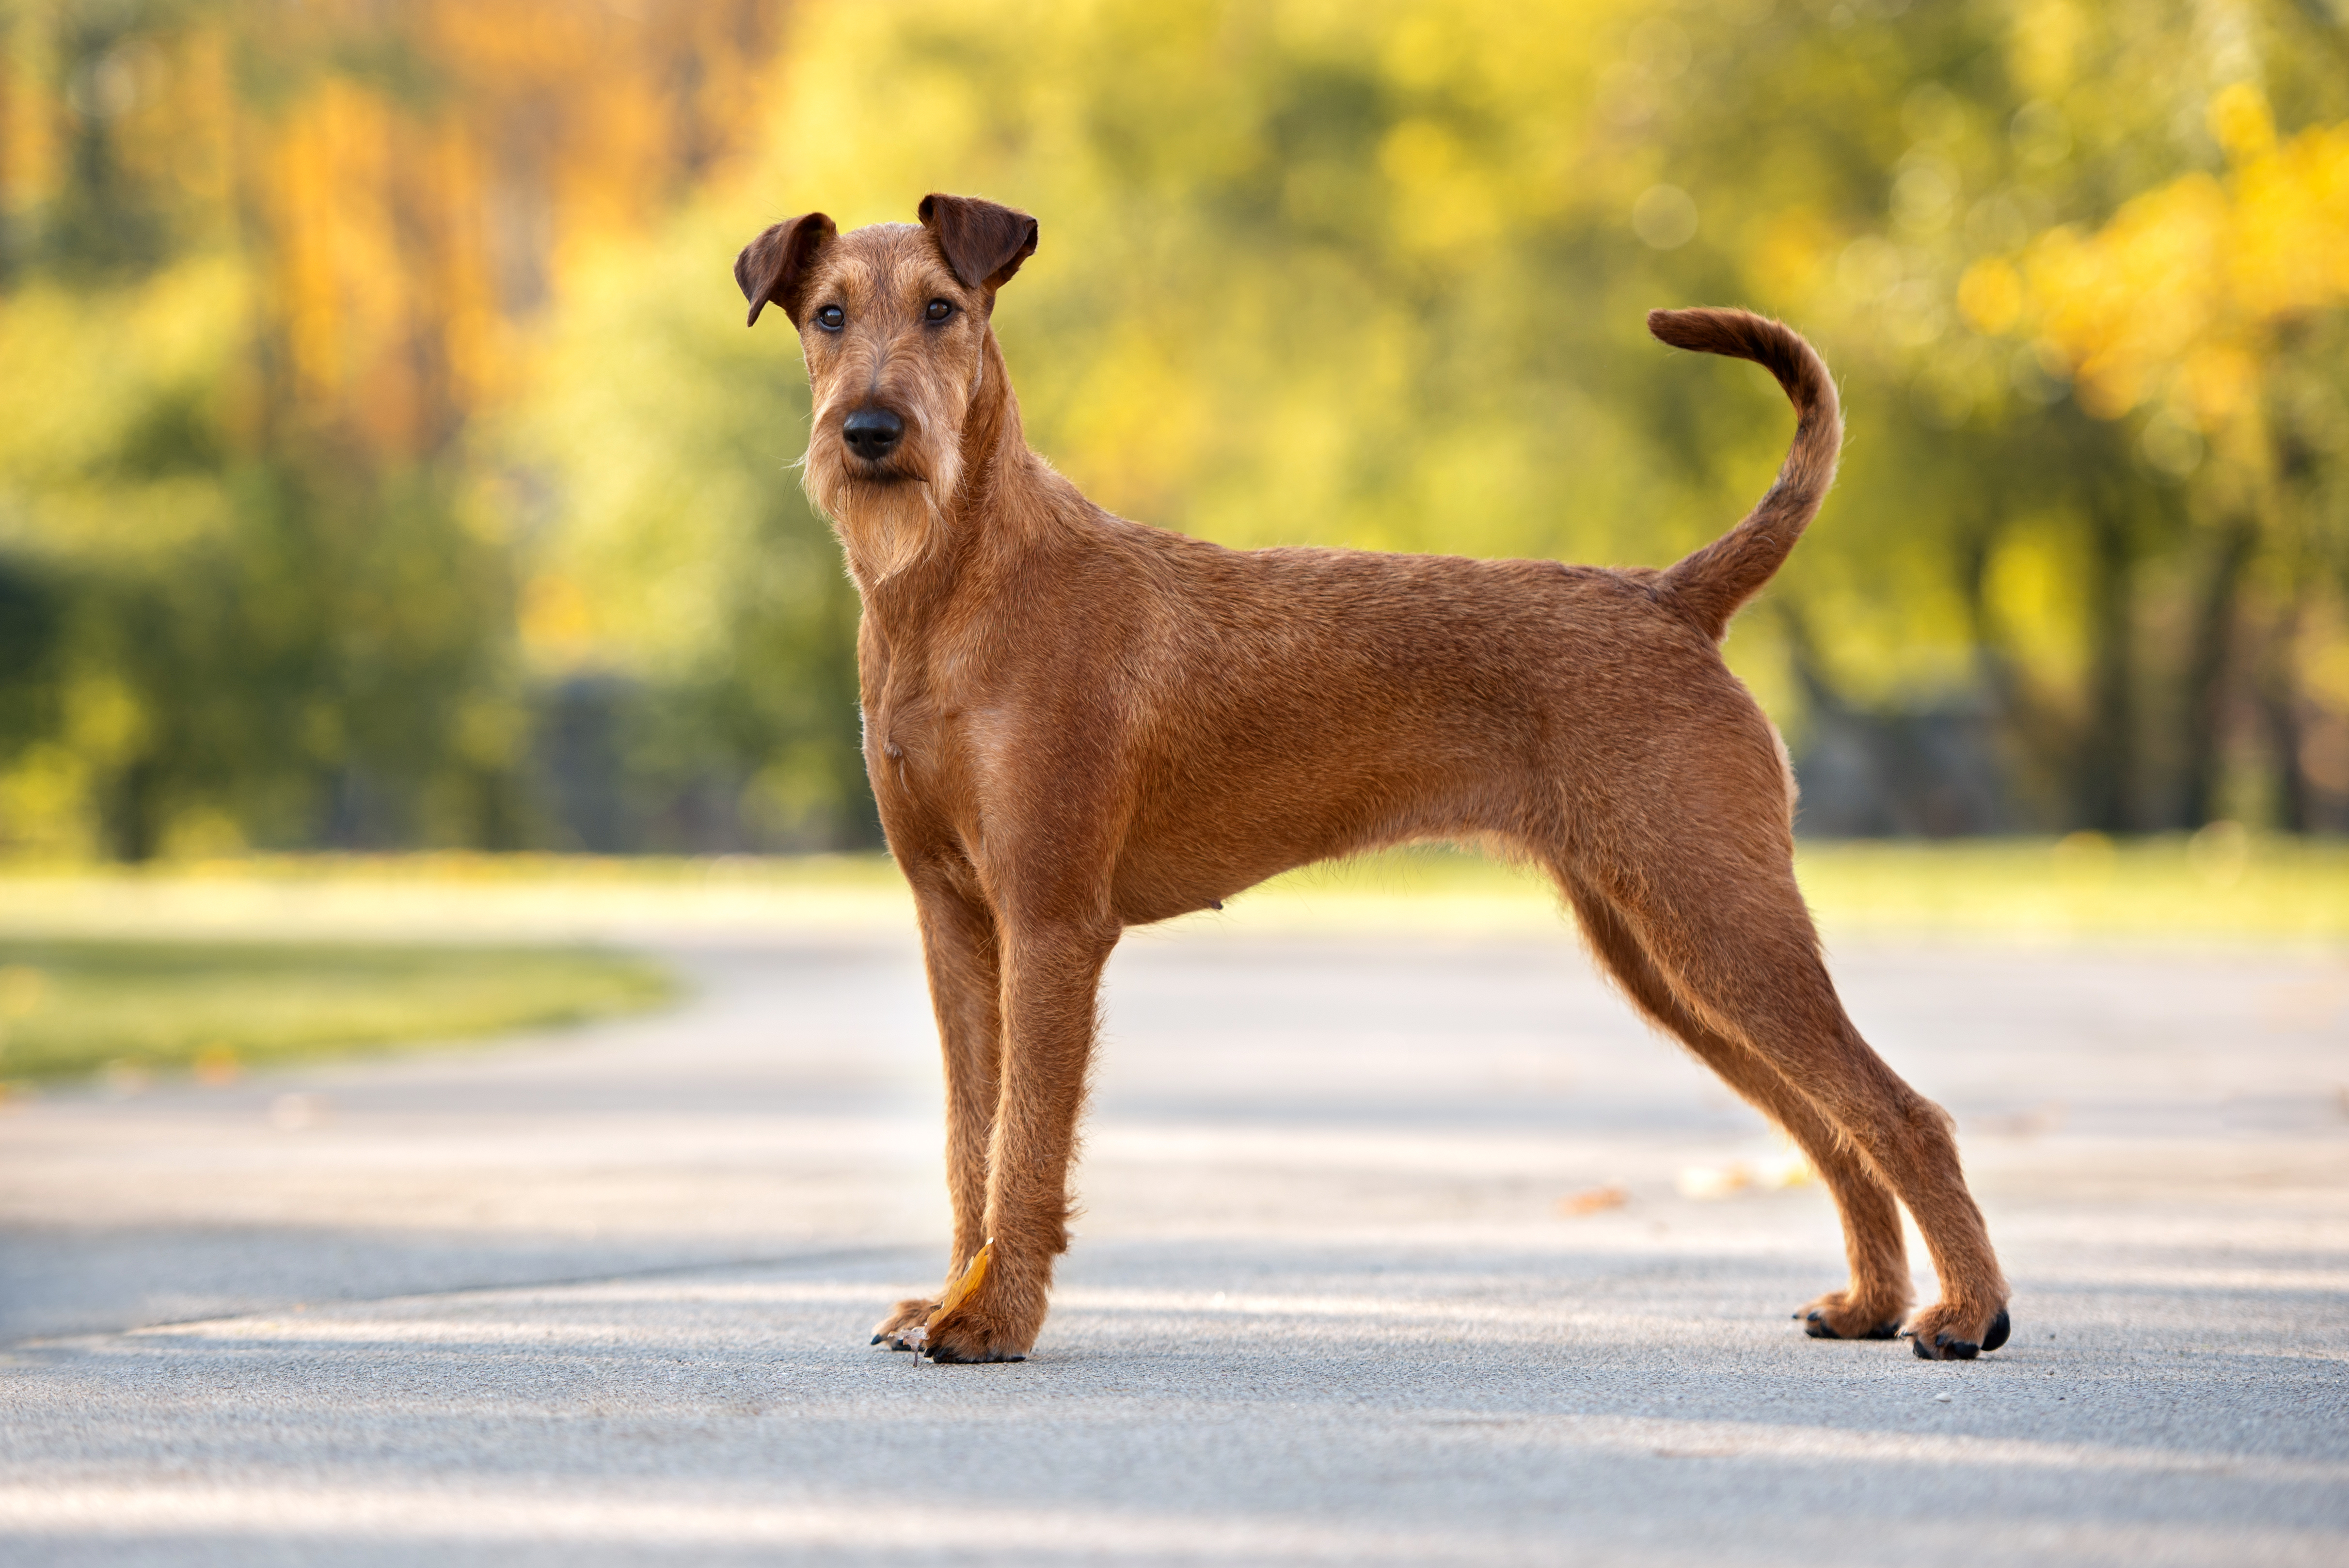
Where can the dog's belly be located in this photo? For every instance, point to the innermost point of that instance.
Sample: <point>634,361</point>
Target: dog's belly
<point>1178,862</point>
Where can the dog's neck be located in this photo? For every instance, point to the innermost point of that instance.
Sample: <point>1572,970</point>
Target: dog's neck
<point>1000,496</point>
<point>994,444</point>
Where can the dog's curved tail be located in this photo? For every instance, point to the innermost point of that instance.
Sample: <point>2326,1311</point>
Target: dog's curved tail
<point>1710,585</point>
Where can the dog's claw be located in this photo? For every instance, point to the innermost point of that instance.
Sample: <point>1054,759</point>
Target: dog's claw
<point>1946,1349</point>
<point>1840,1316</point>
<point>1934,1342</point>
<point>945,1356</point>
<point>903,1329</point>
<point>1948,1346</point>
<point>1816,1325</point>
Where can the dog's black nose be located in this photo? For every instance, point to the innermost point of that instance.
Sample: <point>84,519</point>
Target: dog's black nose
<point>873,433</point>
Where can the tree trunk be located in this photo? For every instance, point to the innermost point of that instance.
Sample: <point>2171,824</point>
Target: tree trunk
<point>2036,740</point>
<point>131,814</point>
<point>2107,756</point>
<point>2206,673</point>
<point>2279,686</point>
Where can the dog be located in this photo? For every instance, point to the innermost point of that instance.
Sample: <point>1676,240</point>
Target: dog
<point>1075,724</point>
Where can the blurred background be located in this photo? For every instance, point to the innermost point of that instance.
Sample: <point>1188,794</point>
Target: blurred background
<point>384,464</point>
<point>412,630</point>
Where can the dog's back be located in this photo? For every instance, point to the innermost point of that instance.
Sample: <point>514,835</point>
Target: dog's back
<point>1243,711</point>
<point>1251,711</point>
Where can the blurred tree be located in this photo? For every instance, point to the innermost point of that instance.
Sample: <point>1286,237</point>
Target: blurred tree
<point>260,269</point>
<point>2098,553</point>
<point>681,558</point>
<point>395,439</point>
<point>1374,274</point>
<point>2199,301</point>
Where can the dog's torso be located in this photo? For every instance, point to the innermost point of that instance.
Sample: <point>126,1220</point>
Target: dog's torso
<point>1240,713</point>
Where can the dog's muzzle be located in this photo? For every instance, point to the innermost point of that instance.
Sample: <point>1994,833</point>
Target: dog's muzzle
<point>873,433</point>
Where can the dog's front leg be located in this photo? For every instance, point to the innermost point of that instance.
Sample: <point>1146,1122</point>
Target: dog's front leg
<point>958,949</point>
<point>1050,972</point>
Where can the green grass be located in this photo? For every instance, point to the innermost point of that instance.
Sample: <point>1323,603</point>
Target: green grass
<point>2219,885</point>
<point>72,1008</point>
<point>209,966</point>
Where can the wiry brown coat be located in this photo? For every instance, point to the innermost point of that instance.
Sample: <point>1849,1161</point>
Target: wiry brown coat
<point>1075,724</point>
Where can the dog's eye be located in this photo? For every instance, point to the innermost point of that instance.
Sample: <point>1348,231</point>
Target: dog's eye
<point>939,310</point>
<point>831,318</point>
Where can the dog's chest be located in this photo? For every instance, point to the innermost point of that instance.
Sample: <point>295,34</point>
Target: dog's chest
<point>930,743</point>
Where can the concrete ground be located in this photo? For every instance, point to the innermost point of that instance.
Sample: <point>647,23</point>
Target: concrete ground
<point>603,1297</point>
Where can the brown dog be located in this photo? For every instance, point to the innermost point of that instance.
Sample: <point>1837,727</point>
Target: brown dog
<point>1075,724</point>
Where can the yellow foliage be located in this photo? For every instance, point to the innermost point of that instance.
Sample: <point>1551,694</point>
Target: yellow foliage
<point>104,718</point>
<point>1794,250</point>
<point>105,356</point>
<point>45,801</point>
<point>2045,43</point>
<point>2240,120</point>
<point>1990,295</point>
<point>406,229</point>
<point>2175,299</point>
<point>556,620</point>
<point>2289,250</point>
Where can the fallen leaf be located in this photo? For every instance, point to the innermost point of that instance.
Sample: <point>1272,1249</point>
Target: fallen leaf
<point>1593,1201</point>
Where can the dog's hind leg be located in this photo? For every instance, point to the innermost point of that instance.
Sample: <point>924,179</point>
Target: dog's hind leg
<point>959,950</point>
<point>1872,1307</point>
<point>1051,971</point>
<point>1729,935</point>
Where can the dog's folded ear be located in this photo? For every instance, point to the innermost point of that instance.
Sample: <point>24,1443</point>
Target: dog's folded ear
<point>984,243</point>
<point>775,265</point>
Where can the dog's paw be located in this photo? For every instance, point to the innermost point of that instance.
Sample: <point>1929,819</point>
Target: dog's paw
<point>1945,1333</point>
<point>1838,1315</point>
<point>980,1318</point>
<point>902,1329</point>
<point>965,1343</point>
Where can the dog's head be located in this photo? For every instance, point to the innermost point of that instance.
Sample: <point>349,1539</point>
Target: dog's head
<point>893,321</point>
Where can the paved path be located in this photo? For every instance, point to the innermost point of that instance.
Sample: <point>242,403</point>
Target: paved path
<point>603,1297</point>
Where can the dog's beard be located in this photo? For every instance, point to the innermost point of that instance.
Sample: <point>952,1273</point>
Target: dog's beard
<point>886,525</point>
